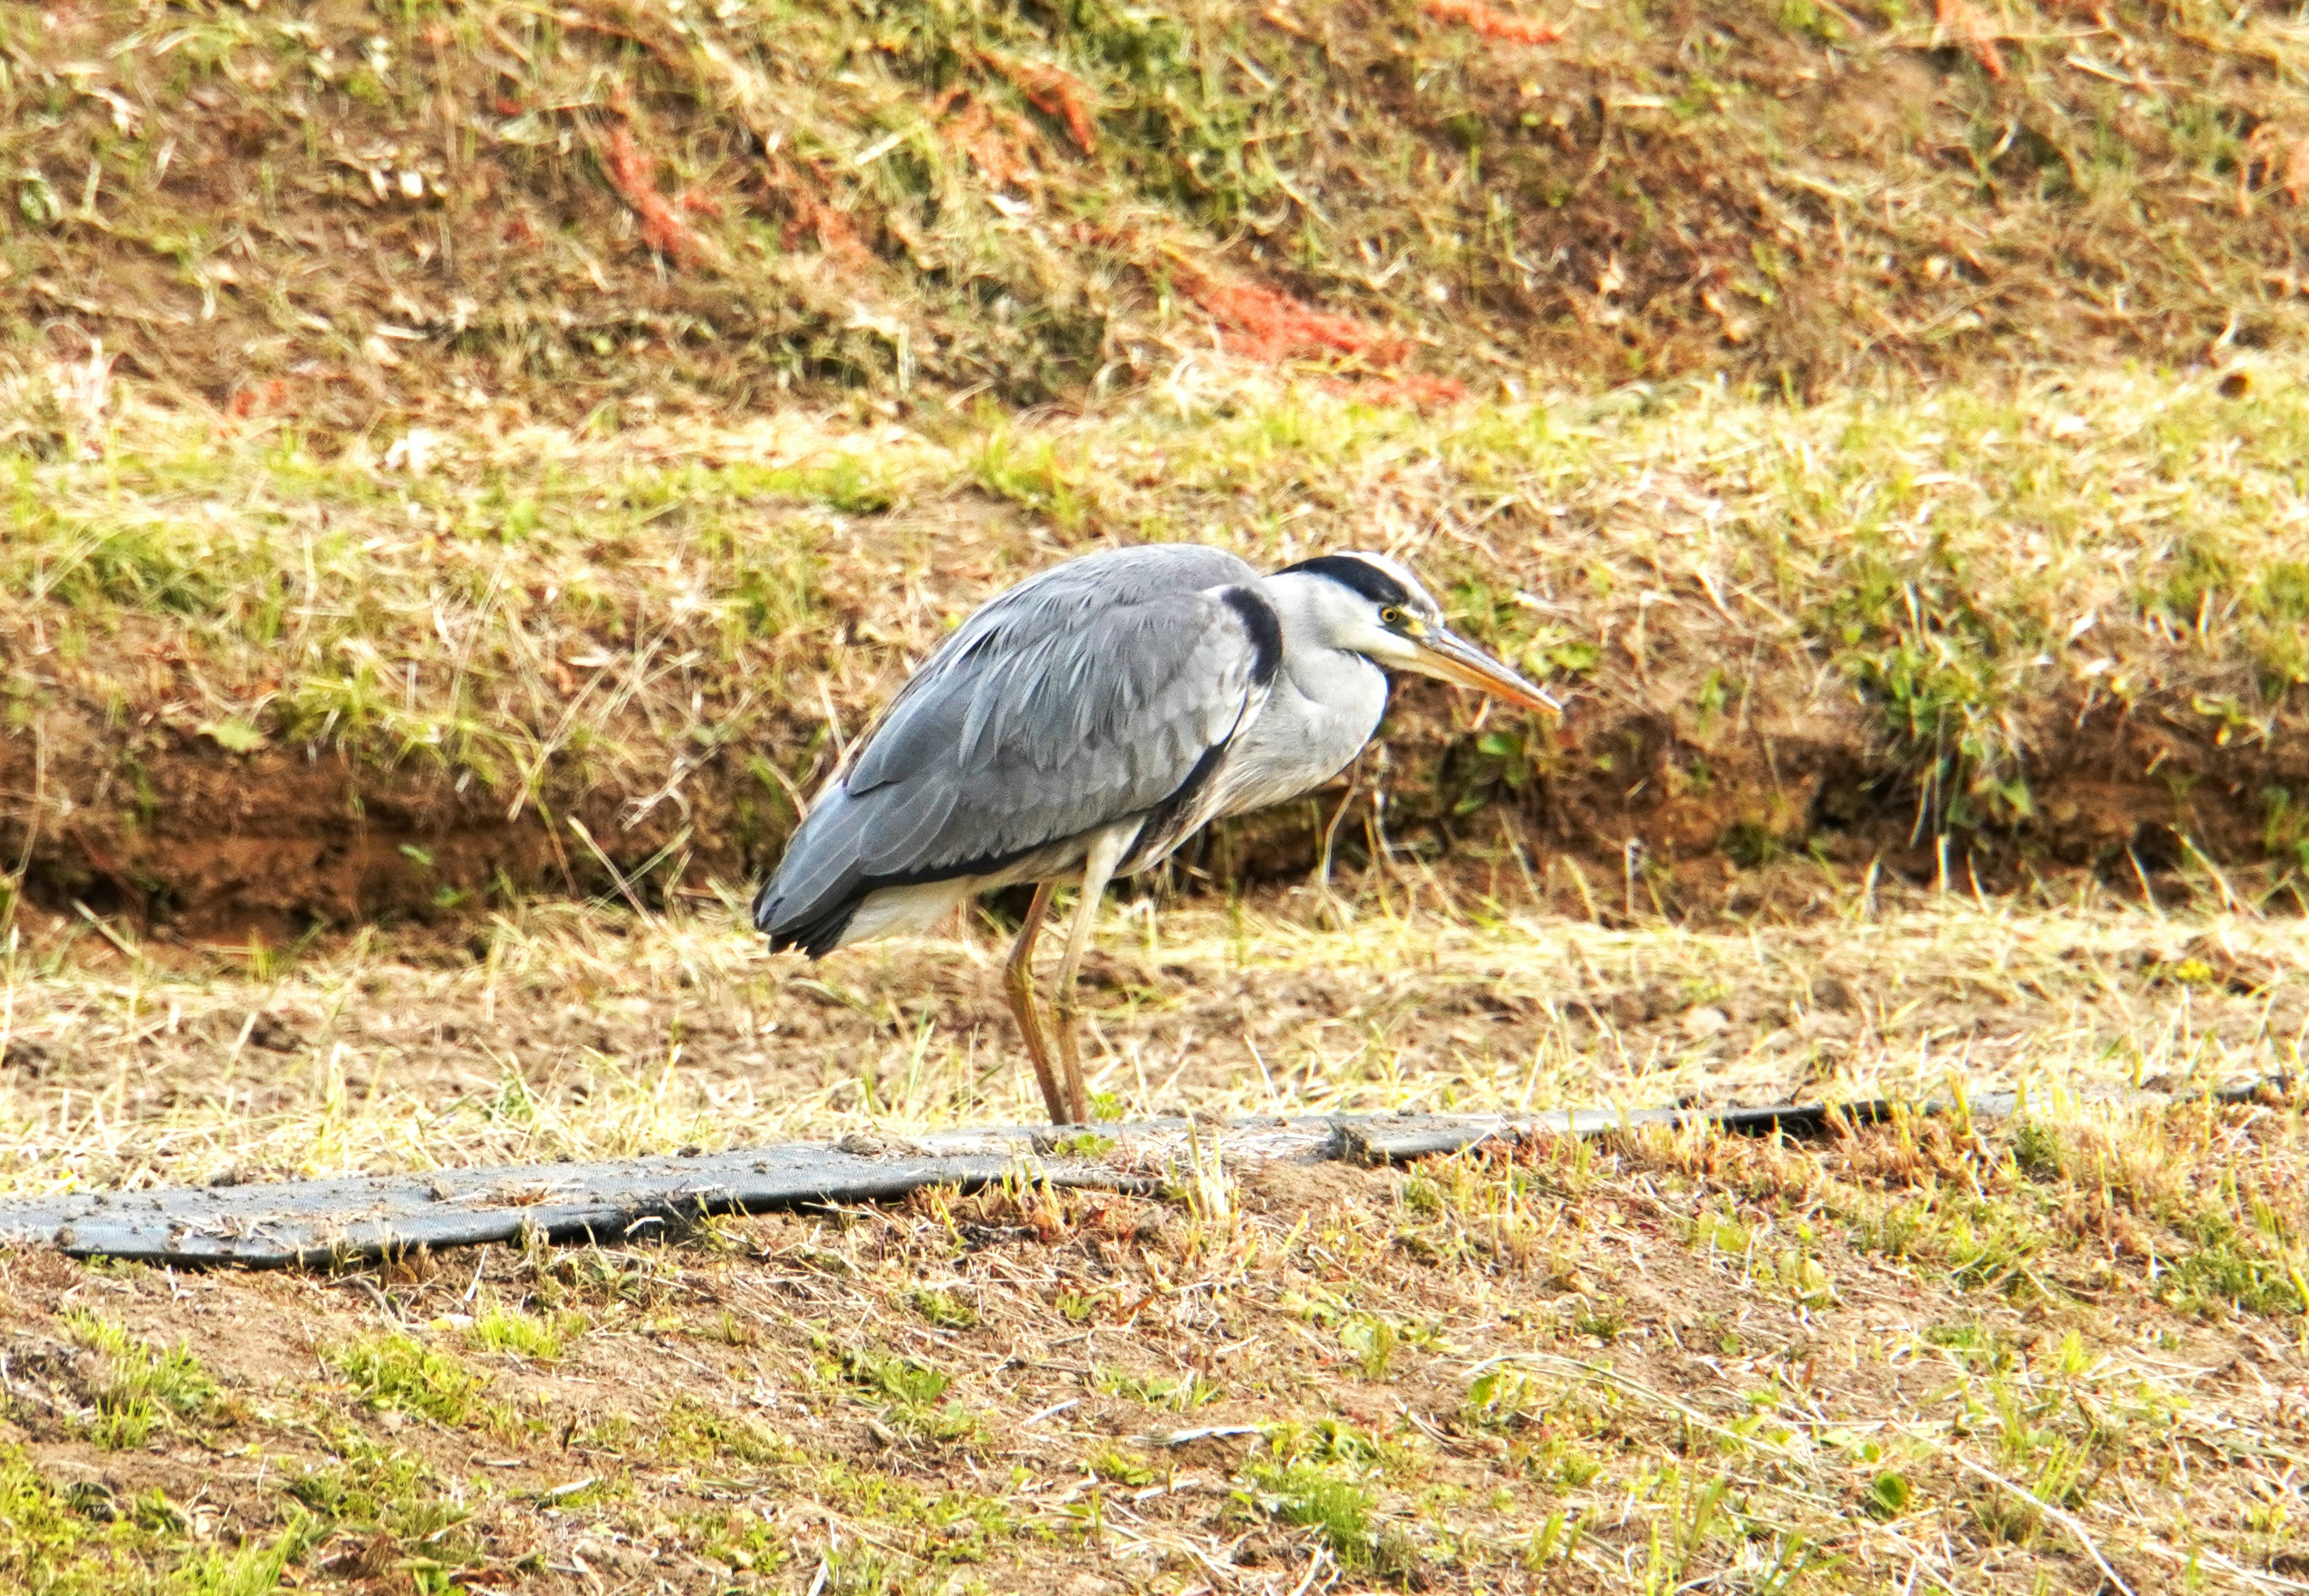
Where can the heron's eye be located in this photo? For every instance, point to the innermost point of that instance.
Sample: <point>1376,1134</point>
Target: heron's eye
<point>1390,616</point>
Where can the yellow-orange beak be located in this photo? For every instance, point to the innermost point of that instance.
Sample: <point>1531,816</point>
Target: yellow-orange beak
<point>1447,655</point>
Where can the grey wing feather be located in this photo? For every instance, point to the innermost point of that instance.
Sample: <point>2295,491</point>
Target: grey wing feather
<point>1088,693</point>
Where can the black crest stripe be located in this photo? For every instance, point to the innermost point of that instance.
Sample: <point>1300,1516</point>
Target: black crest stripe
<point>1358,575</point>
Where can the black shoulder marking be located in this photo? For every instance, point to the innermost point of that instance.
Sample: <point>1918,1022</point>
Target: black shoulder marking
<point>1266,629</point>
<point>1360,575</point>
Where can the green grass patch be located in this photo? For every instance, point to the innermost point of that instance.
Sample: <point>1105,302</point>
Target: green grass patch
<point>544,1337</point>
<point>1181,1393</point>
<point>141,1386</point>
<point>942,1527</point>
<point>943,1308</point>
<point>397,1371</point>
<point>1337,1506</point>
<point>692,1432</point>
<point>908,1394</point>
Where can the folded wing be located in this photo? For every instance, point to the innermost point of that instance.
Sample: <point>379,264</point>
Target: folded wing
<point>1099,691</point>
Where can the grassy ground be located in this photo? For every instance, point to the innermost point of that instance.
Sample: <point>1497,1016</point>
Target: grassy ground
<point>1932,1355</point>
<point>396,539</point>
<point>562,1032</point>
<point>1993,636</point>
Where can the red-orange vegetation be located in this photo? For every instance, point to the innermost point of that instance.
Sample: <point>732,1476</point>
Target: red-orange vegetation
<point>2275,155</point>
<point>798,194</point>
<point>1973,29</point>
<point>1052,92</point>
<point>268,398</point>
<point>999,144</point>
<point>1257,322</point>
<point>1265,323</point>
<point>1489,23</point>
<point>630,174</point>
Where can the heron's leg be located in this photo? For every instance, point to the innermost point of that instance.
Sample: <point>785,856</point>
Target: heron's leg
<point>1098,869</point>
<point>1018,982</point>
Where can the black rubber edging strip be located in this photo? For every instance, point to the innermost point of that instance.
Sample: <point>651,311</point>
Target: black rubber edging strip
<point>320,1223</point>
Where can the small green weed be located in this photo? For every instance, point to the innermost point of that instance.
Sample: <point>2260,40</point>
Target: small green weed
<point>1123,1468</point>
<point>964,1524</point>
<point>72,1539</point>
<point>142,1384</point>
<point>2226,1272</point>
<point>690,1432</point>
<point>1504,1398</point>
<point>541,1336</point>
<point>1888,1495</point>
<point>399,1372</point>
<point>2037,1151</point>
<point>250,1570</point>
<point>1973,1346</point>
<point>371,1490</point>
<point>1182,1393</point>
<point>906,1393</point>
<point>1341,1509</point>
<point>1604,1324</point>
<point>851,483</point>
<point>1372,1340</point>
<point>943,1308</point>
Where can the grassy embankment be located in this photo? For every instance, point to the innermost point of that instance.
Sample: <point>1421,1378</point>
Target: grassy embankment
<point>1970,637</point>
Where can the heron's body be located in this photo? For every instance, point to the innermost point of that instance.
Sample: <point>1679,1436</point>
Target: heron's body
<point>1088,721</point>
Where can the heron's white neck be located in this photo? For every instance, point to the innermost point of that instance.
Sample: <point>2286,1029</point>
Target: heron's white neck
<point>1325,701</point>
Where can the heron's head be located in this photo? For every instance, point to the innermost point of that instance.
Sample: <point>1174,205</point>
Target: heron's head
<point>1372,605</point>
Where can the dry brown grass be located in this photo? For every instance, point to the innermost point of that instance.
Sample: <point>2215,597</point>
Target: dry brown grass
<point>565,1031</point>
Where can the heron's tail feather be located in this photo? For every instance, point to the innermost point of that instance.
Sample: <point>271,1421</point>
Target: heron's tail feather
<point>809,900</point>
<point>816,937</point>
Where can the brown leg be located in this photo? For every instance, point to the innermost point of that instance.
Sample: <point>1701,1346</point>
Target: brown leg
<point>1098,869</point>
<point>1018,981</point>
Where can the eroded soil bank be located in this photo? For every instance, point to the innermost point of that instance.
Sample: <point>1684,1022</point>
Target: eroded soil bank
<point>1631,808</point>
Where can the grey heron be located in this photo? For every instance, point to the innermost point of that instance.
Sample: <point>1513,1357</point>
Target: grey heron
<point>1083,725</point>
